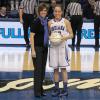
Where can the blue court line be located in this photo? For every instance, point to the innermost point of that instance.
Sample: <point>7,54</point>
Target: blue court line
<point>28,74</point>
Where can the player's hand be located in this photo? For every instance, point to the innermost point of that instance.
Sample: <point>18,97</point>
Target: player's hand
<point>33,54</point>
<point>64,37</point>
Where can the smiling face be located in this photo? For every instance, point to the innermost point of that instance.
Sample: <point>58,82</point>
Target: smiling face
<point>58,12</point>
<point>43,13</point>
<point>42,10</point>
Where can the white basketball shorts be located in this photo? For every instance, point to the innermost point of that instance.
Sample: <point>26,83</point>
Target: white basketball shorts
<point>58,56</point>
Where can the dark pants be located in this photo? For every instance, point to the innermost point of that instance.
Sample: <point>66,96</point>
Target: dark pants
<point>39,69</point>
<point>96,29</point>
<point>76,24</point>
<point>27,22</point>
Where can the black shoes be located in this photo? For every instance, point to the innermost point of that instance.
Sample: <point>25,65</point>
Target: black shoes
<point>60,93</point>
<point>55,92</point>
<point>43,94</point>
<point>40,95</point>
<point>64,93</point>
<point>37,95</point>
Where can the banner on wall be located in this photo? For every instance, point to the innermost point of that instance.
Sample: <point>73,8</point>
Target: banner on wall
<point>12,33</point>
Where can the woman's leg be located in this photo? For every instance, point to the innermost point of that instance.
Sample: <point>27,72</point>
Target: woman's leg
<point>56,75</point>
<point>64,74</point>
<point>44,60</point>
<point>65,80</point>
<point>56,81</point>
<point>37,71</point>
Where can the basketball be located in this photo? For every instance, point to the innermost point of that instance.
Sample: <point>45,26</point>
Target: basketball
<point>55,38</point>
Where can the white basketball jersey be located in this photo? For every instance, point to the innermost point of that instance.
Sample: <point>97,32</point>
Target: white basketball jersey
<point>58,26</point>
<point>58,54</point>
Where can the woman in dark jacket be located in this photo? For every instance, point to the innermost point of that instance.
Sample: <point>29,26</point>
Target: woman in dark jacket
<point>39,45</point>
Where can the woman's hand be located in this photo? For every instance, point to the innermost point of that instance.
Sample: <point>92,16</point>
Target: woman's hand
<point>64,37</point>
<point>33,54</point>
<point>21,21</point>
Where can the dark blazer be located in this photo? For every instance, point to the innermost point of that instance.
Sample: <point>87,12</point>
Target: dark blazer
<point>38,29</point>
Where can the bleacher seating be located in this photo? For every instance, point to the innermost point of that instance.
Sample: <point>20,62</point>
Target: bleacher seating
<point>13,5</point>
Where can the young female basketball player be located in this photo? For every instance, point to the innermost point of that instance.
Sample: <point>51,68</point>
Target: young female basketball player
<point>58,56</point>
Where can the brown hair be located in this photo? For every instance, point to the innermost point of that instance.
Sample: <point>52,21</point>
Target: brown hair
<point>58,5</point>
<point>41,7</point>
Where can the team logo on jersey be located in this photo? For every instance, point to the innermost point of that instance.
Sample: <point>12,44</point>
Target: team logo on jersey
<point>54,28</point>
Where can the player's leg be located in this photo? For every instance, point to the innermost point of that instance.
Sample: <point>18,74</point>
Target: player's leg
<point>53,59</point>
<point>63,62</point>
<point>56,90</point>
<point>64,92</point>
